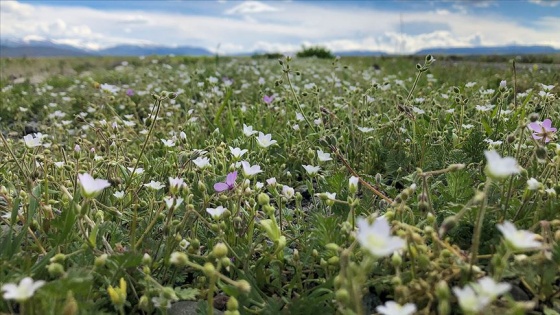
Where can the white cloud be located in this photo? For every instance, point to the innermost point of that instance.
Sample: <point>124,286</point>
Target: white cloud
<point>546,3</point>
<point>284,27</point>
<point>251,7</point>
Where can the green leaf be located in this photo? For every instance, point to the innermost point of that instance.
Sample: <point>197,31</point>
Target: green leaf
<point>93,235</point>
<point>549,311</point>
<point>187,294</point>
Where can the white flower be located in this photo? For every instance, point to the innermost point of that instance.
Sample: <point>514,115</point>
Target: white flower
<point>377,239</point>
<point>237,152</point>
<point>365,129</point>
<point>311,170</point>
<point>259,185</point>
<point>468,126</point>
<point>168,143</point>
<point>533,184</point>
<point>299,116</point>
<point>59,164</point>
<point>418,110</point>
<point>326,196</point>
<point>138,171</point>
<point>500,167</point>
<point>23,291</point>
<point>492,142</point>
<point>518,239</point>
<point>202,161</point>
<point>287,192</point>
<point>271,181</point>
<point>249,170</point>
<point>109,88</point>
<point>118,194</point>
<point>323,156</point>
<point>547,87</point>
<point>216,213</point>
<point>470,84</point>
<point>154,185</point>
<point>175,183</point>
<point>488,287</point>
<point>32,142</point>
<point>178,258</point>
<point>482,108</point>
<point>469,300</point>
<point>265,140</point>
<point>171,202</point>
<point>92,187</point>
<point>393,308</point>
<point>184,244</point>
<point>353,183</point>
<point>503,84</point>
<point>248,130</point>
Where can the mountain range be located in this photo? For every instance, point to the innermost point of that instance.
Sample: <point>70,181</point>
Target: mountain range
<point>15,48</point>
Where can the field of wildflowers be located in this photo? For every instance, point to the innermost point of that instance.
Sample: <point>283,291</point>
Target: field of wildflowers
<point>294,186</point>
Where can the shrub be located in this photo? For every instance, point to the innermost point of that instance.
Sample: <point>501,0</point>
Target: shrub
<point>315,51</point>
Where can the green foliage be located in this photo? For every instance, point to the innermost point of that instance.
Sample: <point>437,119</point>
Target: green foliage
<point>418,140</point>
<point>315,51</point>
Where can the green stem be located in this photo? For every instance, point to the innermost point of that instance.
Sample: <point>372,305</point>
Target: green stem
<point>13,155</point>
<point>129,181</point>
<point>478,226</point>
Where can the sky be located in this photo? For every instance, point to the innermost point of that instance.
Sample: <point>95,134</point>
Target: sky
<point>231,27</point>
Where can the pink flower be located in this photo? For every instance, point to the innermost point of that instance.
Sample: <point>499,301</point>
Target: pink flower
<point>228,184</point>
<point>268,99</point>
<point>542,130</point>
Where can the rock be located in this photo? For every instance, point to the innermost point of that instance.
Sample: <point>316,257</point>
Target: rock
<point>187,308</point>
<point>518,293</point>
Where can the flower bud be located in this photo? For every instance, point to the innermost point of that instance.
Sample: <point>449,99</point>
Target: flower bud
<point>353,184</point>
<point>146,259</point>
<point>342,296</point>
<point>179,259</point>
<point>225,262</point>
<point>333,247</point>
<point>100,261</point>
<point>334,260</point>
<point>534,117</point>
<point>209,269</point>
<point>447,224</point>
<point>243,286</point>
<point>55,270</point>
<point>396,259</point>
<point>220,250</point>
<point>263,199</point>
<point>541,153</point>
<point>232,304</point>
<point>144,303</point>
<point>58,258</point>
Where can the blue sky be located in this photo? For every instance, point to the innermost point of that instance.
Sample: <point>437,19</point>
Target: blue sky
<point>394,26</point>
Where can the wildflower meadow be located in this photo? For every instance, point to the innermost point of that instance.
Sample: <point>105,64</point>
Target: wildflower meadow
<point>390,185</point>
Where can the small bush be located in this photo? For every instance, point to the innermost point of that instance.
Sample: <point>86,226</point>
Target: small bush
<point>315,51</point>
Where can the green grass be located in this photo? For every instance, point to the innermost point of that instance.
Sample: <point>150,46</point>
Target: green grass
<point>421,163</point>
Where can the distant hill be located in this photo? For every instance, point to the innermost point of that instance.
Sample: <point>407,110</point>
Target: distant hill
<point>132,50</point>
<point>360,53</point>
<point>495,50</point>
<point>46,48</point>
<point>40,48</point>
